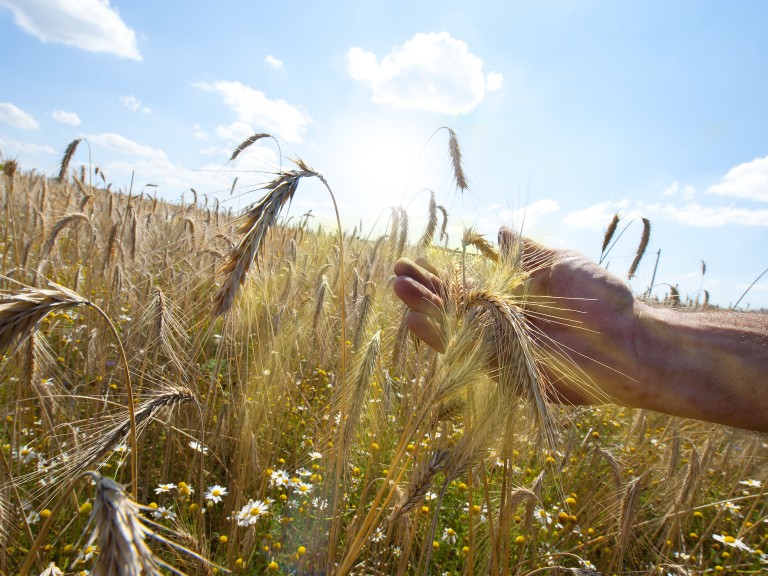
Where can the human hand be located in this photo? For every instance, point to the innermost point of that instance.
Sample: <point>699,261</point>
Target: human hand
<point>576,310</point>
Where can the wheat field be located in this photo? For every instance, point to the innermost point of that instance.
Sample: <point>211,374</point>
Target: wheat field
<point>188,390</point>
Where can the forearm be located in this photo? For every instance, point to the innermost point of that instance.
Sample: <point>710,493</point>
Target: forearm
<point>705,365</point>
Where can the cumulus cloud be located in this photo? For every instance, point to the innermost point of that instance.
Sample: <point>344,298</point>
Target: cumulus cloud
<point>123,145</point>
<point>66,117</point>
<point>257,113</point>
<point>747,180</point>
<point>687,191</point>
<point>14,148</point>
<point>274,62</point>
<point>16,117</point>
<point>91,25</point>
<point>133,103</point>
<point>531,214</point>
<point>598,216</point>
<point>694,214</point>
<point>433,72</point>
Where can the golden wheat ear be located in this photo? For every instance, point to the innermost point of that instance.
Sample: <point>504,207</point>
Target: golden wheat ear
<point>458,169</point>
<point>256,223</point>
<point>21,311</point>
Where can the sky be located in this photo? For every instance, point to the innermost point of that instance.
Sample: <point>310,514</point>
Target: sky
<point>566,113</point>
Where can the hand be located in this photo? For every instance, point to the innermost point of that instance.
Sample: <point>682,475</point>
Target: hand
<point>575,308</point>
<point>706,364</point>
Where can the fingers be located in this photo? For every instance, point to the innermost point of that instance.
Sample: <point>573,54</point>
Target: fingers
<point>418,286</point>
<point>422,272</point>
<point>417,296</point>
<point>426,329</point>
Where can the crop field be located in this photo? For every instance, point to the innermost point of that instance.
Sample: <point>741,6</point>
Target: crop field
<point>188,390</point>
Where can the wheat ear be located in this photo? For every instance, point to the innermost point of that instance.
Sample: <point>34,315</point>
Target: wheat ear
<point>257,222</point>
<point>455,152</point>
<point>472,238</point>
<point>245,143</point>
<point>610,231</point>
<point>641,247</point>
<point>20,315</point>
<point>68,153</point>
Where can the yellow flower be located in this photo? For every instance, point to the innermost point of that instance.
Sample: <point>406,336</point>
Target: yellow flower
<point>301,551</point>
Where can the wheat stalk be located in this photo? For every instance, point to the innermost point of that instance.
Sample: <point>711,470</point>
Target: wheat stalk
<point>59,226</point>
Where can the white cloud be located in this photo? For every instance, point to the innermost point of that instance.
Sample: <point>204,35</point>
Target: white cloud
<point>693,214</point>
<point>598,216</point>
<point>199,132</point>
<point>433,72</point>
<point>133,103</point>
<point>259,113</point>
<point>687,191</point>
<point>529,215</point>
<point>13,148</point>
<point>91,25</point>
<point>16,117</point>
<point>123,145</point>
<point>493,81</point>
<point>747,180</point>
<point>274,62</point>
<point>66,117</point>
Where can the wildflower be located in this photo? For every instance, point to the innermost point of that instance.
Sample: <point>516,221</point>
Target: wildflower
<point>732,508</point>
<point>33,517</point>
<point>449,535</point>
<point>26,454</point>
<point>195,445</point>
<point>215,493</point>
<point>185,490</point>
<point>304,488</point>
<point>378,535</point>
<point>751,483</point>
<point>251,512</point>
<point>542,516</point>
<point>315,455</point>
<point>303,472</point>
<point>278,478</point>
<point>732,542</point>
<point>162,488</point>
<point>163,513</point>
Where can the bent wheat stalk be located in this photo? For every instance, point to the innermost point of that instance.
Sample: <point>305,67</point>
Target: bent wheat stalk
<point>21,313</point>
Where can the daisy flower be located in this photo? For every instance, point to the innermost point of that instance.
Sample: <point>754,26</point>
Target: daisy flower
<point>449,535</point>
<point>251,512</point>
<point>732,542</point>
<point>162,488</point>
<point>215,493</point>
<point>163,513</point>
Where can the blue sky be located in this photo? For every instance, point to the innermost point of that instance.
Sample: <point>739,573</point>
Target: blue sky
<point>566,112</point>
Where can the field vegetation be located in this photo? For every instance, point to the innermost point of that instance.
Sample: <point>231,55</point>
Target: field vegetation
<point>188,390</point>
